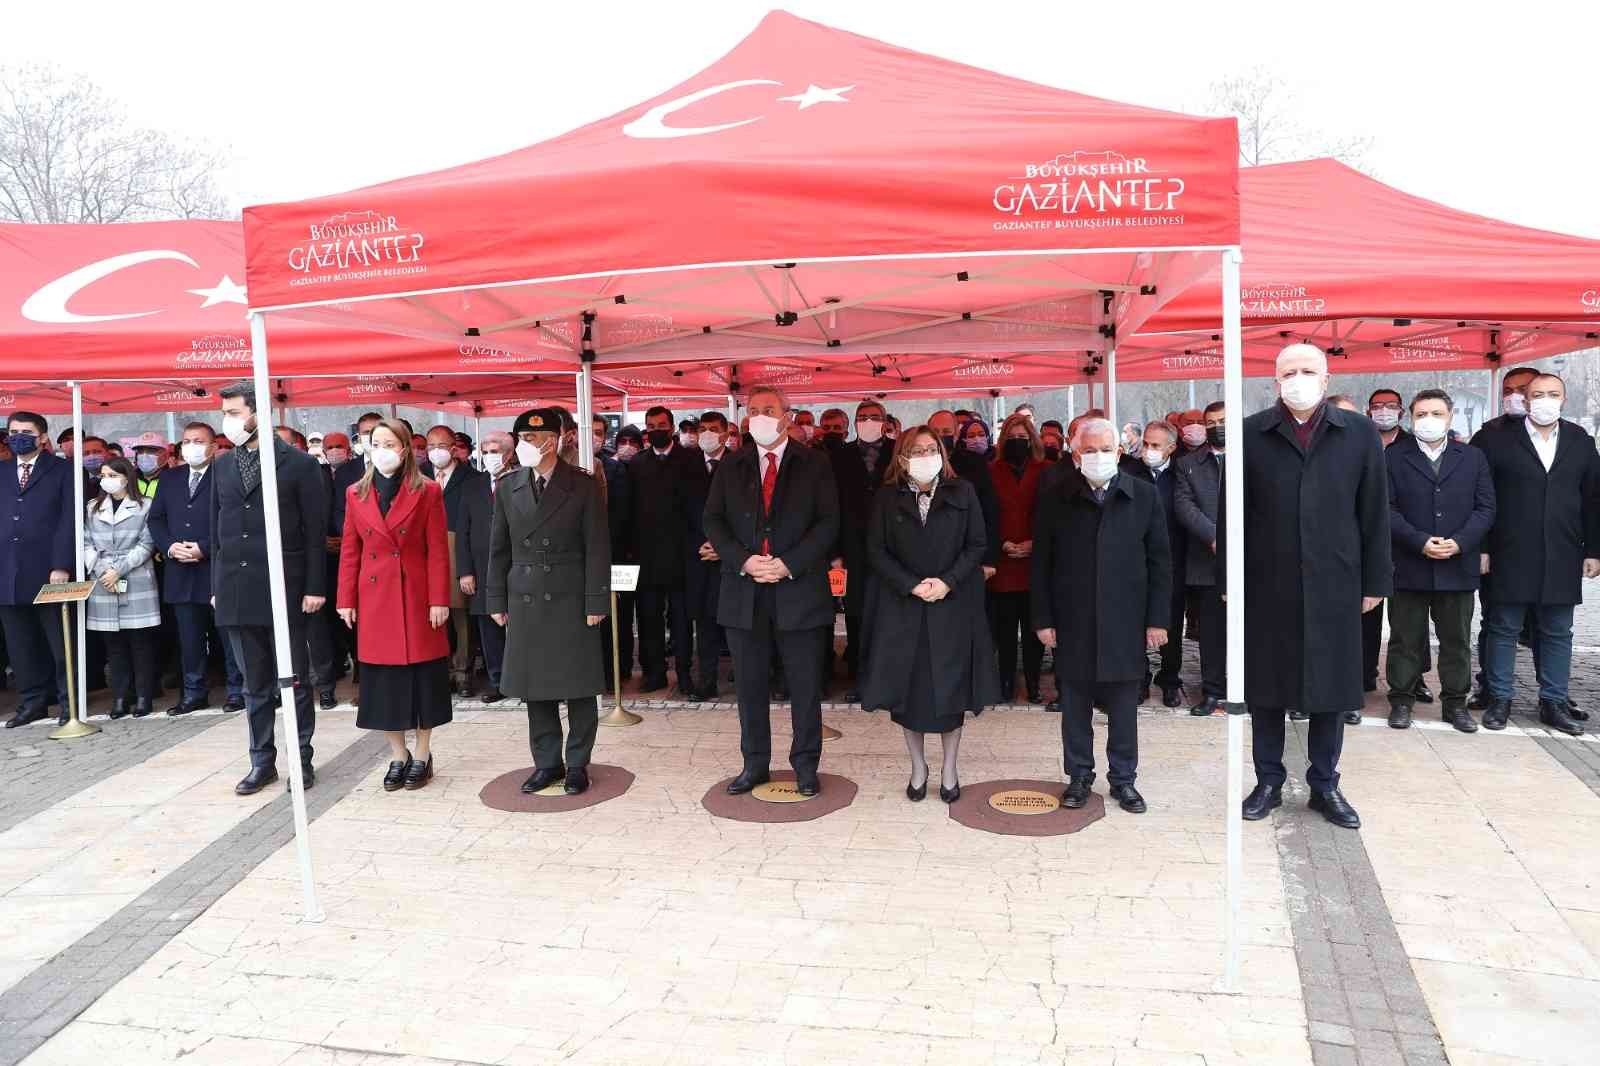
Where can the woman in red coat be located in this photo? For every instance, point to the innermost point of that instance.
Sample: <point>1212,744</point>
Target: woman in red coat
<point>1015,473</point>
<point>394,572</point>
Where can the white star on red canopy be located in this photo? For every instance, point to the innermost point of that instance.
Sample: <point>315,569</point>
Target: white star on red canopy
<point>816,95</point>
<point>225,291</point>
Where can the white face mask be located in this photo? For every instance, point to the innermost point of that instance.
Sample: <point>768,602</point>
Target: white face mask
<point>114,486</point>
<point>1098,466</point>
<point>387,460</point>
<point>1386,420</point>
<point>529,455</point>
<point>439,457</point>
<point>627,451</point>
<point>1545,411</point>
<point>764,428</point>
<point>195,454</point>
<point>1194,435</point>
<point>233,427</point>
<point>336,456</point>
<point>710,440</point>
<point>1430,428</point>
<point>924,468</point>
<point>1154,458</point>
<point>871,432</point>
<point>686,439</point>
<point>1302,392</point>
<point>493,461</point>
<point>1515,403</point>
<point>363,444</point>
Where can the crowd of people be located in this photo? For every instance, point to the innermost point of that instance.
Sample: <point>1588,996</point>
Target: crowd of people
<point>967,554</point>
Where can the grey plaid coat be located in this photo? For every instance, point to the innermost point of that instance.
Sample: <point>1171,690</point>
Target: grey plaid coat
<point>123,541</point>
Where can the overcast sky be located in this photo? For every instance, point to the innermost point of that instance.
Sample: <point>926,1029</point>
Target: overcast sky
<point>1492,110</point>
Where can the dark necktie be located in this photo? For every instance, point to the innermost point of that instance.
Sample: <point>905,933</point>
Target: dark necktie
<point>194,482</point>
<point>23,471</point>
<point>711,466</point>
<point>538,489</point>
<point>1100,496</point>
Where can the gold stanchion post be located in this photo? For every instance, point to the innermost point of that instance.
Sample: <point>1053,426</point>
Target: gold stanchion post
<point>619,715</point>
<point>76,726</point>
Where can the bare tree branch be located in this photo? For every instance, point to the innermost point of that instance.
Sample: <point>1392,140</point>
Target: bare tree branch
<point>1270,130</point>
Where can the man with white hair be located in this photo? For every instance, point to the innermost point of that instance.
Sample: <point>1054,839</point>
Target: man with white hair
<point>1316,505</point>
<point>1102,597</point>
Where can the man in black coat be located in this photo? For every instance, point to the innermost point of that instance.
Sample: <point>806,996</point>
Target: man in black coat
<point>1545,540</point>
<point>701,568</point>
<point>660,476</point>
<point>1195,498</point>
<point>773,518</point>
<point>1106,532</point>
<point>1158,465</point>
<point>1441,506</point>
<point>180,525</point>
<point>1316,504</point>
<point>472,553</point>
<point>858,470</point>
<point>36,510</point>
<point>456,478</point>
<point>240,582</point>
<point>1386,408</point>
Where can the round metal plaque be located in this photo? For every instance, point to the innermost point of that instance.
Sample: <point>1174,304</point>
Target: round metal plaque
<point>779,792</point>
<point>1024,801</point>
<point>557,789</point>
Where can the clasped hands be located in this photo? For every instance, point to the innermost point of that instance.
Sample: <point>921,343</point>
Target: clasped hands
<point>930,590</point>
<point>766,569</point>
<point>186,551</point>
<point>1440,548</point>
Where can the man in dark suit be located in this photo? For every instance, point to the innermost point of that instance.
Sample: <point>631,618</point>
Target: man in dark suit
<point>1441,507</point>
<point>773,519</point>
<point>180,524</point>
<point>36,513</point>
<point>1195,498</point>
<point>240,582</point>
<point>345,469</point>
<point>456,479</point>
<point>1386,408</point>
<point>1545,541</point>
<point>619,525</point>
<point>660,477</point>
<point>1158,466</point>
<point>971,466</point>
<point>1316,504</point>
<point>1106,532</point>
<point>702,568</point>
<point>858,469</point>
<point>498,455</point>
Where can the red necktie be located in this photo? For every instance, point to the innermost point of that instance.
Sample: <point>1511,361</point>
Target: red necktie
<point>768,482</point>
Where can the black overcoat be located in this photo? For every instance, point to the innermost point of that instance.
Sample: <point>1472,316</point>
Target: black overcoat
<point>1316,541</point>
<point>1546,524</point>
<point>858,488</point>
<point>549,567</point>
<point>472,539</point>
<point>1457,504</point>
<point>1102,575</point>
<point>660,488</point>
<point>1195,498</point>
<point>239,544</point>
<point>802,529</point>
<point>901,552</point>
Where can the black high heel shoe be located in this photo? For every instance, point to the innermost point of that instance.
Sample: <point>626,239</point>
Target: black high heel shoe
<point>950,795</point>
<point>918,794</point>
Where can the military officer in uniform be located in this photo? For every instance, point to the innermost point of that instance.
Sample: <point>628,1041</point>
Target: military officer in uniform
<point>549,583</point>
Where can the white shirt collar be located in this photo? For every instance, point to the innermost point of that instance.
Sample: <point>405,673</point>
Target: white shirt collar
<point>1538,438</point>
<point>777,449</point>
<point>1433,451</point>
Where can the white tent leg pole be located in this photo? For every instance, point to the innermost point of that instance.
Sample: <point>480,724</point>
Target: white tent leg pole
<point>172,426</point>
<point>1111,386</point>
<point>280,613</point>
<point>586,415</point>
<point>1192,404</point>
<point>1071,392</point>
<point>81,680</point>
<point>624,409</point>
<point>1494,392</point>
<point>733,409</point>
<point>1233,395</point>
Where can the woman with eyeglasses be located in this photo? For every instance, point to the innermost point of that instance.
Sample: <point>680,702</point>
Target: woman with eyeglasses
<point>927,654</point>
<point>125,604</point>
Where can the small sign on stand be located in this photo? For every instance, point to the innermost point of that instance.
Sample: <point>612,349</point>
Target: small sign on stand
<point>66,594</point>
<point>624,578</point>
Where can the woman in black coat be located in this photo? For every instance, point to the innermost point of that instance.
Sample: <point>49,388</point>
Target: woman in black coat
<point>927,651</point>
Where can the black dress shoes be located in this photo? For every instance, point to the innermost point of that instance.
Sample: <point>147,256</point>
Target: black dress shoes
<point>707,692</point>
<point>577,781</point>
<point>257,779</point>
<point>1422,694</point>
<point>28,717</point>
<point>1575,714</point>
<point>853,695</point>
<point>806,783</point>
<point>1479,702</point>
<point>1172,695</point>
<point>308,774</point>
<point>396,777</point>
<point>119,709</point>
<point>1352,717</point>
<point>143,708</point>
<point>1399,716</point>
<point>1053,707</point>
<point>1263,799</point>
<point>494,695</point>
<point>917,793</point>
<point>1205,708</point>
<point>1497,714</point>
<point>1335,808</point>
<point>1458,715</point>
<point>1035,696</point>
<point>543,779</point>
<point>653,683</point>
<point>1554,716</point>
<point>188,706</point>
<point>234,703</point>
<point>1128,799</point>
<point>419,773</point>
<point>1299,716</point>
<point>748,780</point>
<point>1077,791</point>
<point>327,700</point>
<point>950,795</point>
<point>688,694</point>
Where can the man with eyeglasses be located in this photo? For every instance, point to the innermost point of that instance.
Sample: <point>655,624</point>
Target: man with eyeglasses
<point>858,470</point>
<point>1385,407</point>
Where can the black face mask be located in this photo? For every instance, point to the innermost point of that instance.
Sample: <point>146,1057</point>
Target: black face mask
<point>1052,453</point>
<point>1016,449</point>
<point>659,438</point>
<point>1215,435</point>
